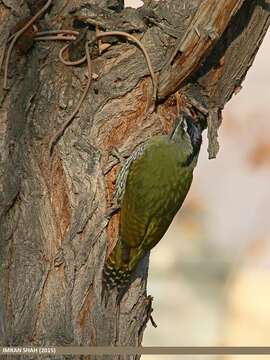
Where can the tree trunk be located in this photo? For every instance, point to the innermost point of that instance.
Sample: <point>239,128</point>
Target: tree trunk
<point>55,220</point>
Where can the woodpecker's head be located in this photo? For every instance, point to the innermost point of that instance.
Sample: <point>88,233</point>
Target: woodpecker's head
<point>188,135</point>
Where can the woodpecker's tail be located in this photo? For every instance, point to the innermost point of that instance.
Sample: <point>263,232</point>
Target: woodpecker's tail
<point>115,277</point>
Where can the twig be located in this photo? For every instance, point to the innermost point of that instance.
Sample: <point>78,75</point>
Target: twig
<point>62,37</point>
<point>41,35</point>
<point>153,322</point>
<point>70,63</point>
<point>68,121</point>
<point>55,32</point>
<point>18,34</point>
<point>116,33</point>
<point>3,55</point>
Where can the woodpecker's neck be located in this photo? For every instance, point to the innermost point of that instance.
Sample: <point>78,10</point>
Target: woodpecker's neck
<point>194,135</point>
<point>187,135</point>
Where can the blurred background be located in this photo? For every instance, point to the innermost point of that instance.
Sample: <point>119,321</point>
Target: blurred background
<point>210,274</point>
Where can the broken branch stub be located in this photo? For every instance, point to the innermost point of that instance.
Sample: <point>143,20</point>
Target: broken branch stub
<point>205,29</point>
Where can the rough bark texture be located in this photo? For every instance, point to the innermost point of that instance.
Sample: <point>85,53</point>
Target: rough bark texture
<point>54,222</point>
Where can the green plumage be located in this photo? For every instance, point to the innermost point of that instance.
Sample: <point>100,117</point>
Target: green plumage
<point>156,180</point>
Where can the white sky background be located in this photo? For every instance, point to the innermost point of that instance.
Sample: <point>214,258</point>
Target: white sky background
<point>133,3</point>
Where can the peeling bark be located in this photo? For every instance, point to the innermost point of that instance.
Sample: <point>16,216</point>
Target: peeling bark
<point>55,223</point>
<point>206,27</point>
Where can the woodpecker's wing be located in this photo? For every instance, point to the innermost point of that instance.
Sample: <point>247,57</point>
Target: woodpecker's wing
<point>156,187</point>
<point>121,177</point>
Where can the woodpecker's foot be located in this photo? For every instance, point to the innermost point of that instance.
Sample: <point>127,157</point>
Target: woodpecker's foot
<point>114,208</point>
<point>115,152</point>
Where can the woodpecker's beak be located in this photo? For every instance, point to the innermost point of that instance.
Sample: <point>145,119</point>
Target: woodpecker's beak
<point>179,108</point>
<point>181,113</point>
<point>180,116</point>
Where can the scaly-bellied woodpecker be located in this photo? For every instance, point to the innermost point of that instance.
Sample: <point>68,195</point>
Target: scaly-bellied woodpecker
<point>151,185</point>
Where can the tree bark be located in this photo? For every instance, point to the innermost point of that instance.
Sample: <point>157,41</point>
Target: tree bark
<point>55,223</point>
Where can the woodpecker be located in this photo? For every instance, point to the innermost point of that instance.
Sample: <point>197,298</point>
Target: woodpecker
<point>151,187</point>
